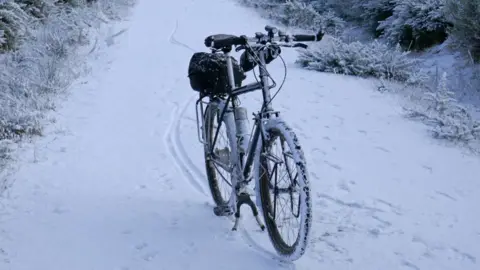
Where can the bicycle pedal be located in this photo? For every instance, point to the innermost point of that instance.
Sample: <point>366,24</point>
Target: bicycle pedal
<point>223,210</point>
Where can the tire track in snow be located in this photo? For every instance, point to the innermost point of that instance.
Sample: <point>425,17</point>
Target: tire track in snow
<point>194,174</point>
<point>178,156</point>
<point>183,153</point>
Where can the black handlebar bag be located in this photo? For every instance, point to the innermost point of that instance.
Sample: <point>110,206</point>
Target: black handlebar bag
<point>208,73</point>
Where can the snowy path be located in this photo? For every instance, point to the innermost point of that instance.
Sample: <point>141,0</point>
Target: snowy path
<point>124,187</point>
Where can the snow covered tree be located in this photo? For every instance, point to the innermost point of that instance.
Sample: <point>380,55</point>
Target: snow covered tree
<point>415,24</point>
<point>374,11</point>
<point>465,17</point>
<point>33,7</point>
<point>13,22</point>
<point>3,39</point>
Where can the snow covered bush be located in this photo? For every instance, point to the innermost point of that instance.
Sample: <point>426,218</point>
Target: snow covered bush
<point>345,9</point>
<point>373,59</point>
<point>465,17</point>
<point>298,13</point>
<point>415,24</point>
<point>44,58</point>
<point>446,117</point>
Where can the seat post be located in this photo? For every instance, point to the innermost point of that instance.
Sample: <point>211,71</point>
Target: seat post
<point>231,78</point>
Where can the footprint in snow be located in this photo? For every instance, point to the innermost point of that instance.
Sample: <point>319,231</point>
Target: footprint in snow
<point>348,204</point>
<point>446,195</point>
<point>394,209</point>
<point>127,232</point>
<point>59,210</point>
<point>150,256</point>
<point>428,168</point>
<point>383,223</point>
<point>375,232</point>
<point>343,185</point>
<point>410,265</point>
<point>335,166</point>
<point>382,149</point>
<point>141,246</point>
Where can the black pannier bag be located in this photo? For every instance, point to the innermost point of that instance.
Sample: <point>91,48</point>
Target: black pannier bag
<point>208,73</point>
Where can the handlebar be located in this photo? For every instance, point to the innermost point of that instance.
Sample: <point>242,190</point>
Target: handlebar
<point>273,36</point>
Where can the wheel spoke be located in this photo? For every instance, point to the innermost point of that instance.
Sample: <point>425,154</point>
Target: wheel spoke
<point>221,174</point>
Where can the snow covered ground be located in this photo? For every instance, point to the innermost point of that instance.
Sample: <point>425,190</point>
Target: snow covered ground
<point>118,183</point>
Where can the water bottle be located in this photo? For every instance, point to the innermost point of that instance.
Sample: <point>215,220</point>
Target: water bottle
<point>241,122</point>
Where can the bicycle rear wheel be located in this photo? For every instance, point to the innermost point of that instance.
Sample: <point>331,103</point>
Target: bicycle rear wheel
<point>282,178</point>
<point>219,153</point>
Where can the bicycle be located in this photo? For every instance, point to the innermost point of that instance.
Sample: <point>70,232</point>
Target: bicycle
<point>218,76</point>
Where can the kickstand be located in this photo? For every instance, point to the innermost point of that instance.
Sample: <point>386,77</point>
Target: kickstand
<point>244,198</point>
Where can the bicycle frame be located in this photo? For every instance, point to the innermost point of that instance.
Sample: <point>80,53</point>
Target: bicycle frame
<point>265,113</point>
<point>242,166</point>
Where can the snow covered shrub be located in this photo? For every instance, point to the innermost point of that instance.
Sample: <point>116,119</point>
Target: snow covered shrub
<point>6,147</point>
<point>346,9</point>
<point>298,13</point>
<point>373,59</point>
<point>46,62</point>
<point>465,17</point>
<point>446,117</point>
<point>415,24</point>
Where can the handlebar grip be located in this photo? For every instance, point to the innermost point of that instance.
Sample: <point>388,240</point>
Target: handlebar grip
<point>270,28</point>
<point>220,41</point>
<point>303,37</point>
<point>306,38</point>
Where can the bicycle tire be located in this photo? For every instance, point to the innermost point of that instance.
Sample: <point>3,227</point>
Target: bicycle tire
<point>276,128</point>
<point>212,115</point>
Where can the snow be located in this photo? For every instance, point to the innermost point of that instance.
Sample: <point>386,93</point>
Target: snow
<point>460,72</point>
<point>118,182</point>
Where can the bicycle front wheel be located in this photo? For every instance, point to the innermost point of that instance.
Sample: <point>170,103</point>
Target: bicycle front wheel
<point>284,189</point>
